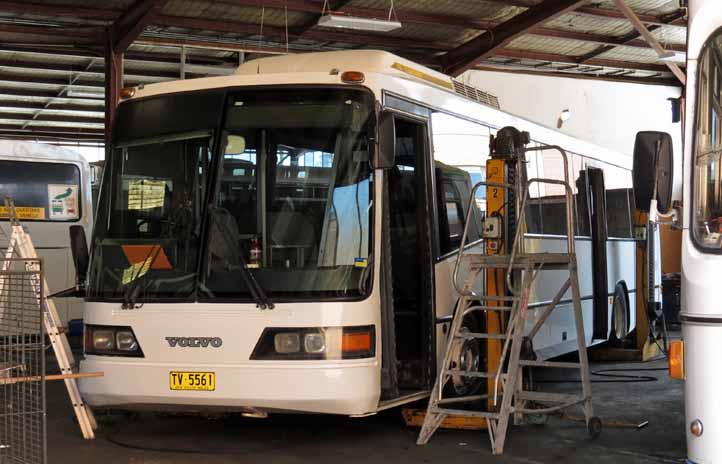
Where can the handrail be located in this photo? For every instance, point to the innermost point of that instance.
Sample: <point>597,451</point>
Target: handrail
<point>462,245</point>
<point>569,197</point>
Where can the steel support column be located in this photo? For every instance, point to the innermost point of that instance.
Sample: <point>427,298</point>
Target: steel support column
<point>113,84</point>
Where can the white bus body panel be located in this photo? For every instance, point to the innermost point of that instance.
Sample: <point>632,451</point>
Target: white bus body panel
<point>334,387</point>
<point>340,387</point>
<point>700,275</point>
<point>52,239</point>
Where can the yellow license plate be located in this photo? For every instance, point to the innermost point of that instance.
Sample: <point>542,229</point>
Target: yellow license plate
<point>182,380</point>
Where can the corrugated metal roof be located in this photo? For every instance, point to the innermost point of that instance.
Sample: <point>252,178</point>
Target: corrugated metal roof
<point>552,45</point>
<point>52,43</point>
<point>657,7</point>
<point>585,23</point>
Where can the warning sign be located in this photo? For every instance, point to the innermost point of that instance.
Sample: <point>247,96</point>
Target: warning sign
<point>24,212</point>
<point>63,201</point>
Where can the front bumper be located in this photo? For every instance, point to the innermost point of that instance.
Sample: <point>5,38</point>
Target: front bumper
<point>348,387</point>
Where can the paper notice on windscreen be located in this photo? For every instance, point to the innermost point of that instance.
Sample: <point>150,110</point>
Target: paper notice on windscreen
<point>146,194</point>
<point>63,202</point>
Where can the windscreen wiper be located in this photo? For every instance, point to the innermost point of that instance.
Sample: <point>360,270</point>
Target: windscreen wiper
<point>257,292</point>
<point>130,294</point>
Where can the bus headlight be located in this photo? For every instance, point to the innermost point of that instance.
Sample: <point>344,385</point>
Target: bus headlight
<point>315,343</point>
<point>125,341</point>
<point>106,340</point>
<point>103,340</point>
<point>287,342</point>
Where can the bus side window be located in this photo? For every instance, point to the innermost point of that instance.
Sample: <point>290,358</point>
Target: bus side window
<point>581,196</point>
<point>533,213</point>
<point>619,202</point>
<point>453,191</point>
<point>454,214</point>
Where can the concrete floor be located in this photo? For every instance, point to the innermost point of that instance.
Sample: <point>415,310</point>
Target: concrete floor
<point>287,439</point>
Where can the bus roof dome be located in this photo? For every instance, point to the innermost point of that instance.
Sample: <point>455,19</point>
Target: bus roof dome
<point>352,60</point>
<point>43,151</point>
<point>368,61</point>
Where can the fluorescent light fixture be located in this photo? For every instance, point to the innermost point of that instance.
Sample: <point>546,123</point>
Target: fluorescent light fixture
<point>675,57</point>
<point>356,23</point>
<point>84,94</point>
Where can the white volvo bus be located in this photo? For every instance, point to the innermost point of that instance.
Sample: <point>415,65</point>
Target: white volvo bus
<point>283,239</point>
<point>50,187</point>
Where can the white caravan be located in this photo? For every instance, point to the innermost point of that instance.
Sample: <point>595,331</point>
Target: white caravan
<point>50,187</point>
<point>283,239</point>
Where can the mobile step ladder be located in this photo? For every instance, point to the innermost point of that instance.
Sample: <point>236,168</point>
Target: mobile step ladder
<point>21,246</point>
<point>521,269</point>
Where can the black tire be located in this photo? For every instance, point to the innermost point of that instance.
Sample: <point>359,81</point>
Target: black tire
<point>470,357</point>
<point>620,314</point>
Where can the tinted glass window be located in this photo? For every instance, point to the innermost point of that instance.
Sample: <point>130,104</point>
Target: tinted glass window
<point>533,212</point>
<point>549,198</point>
<point>294,198</point>
<point>619,200</point>
<point>41,191</point>
<point>619,223</point>
<point>149,243</point>
<point>451,211</point>
<point>581,196</point>
<point>465,145</point>
<point>546,207</point>
<point>707,171</point>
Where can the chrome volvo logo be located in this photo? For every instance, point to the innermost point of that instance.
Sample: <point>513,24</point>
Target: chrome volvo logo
<point>194,342</point>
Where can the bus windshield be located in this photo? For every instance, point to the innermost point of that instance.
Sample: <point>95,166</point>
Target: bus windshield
<point>282,187</point>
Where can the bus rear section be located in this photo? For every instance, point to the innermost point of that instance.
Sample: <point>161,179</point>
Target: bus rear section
<point>50,187</point>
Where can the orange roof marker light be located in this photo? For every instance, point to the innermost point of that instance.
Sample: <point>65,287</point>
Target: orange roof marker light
<point>353,77</point>
<point>127,92</point>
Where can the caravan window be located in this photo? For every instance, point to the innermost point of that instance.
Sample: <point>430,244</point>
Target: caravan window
<point>41,191</point>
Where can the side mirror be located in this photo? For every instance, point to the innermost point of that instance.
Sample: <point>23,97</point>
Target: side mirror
<point>386,146</point>
<point>653,169</point>
<point>81,258</point>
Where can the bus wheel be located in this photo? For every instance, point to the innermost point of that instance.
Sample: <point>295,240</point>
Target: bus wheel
<point>620,313</point>
<point>466,356</point>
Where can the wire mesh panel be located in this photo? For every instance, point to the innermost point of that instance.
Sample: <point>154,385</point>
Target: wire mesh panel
<point>22,363</point>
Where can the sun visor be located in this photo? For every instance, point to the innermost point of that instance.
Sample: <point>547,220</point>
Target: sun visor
<point>168,114</point>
